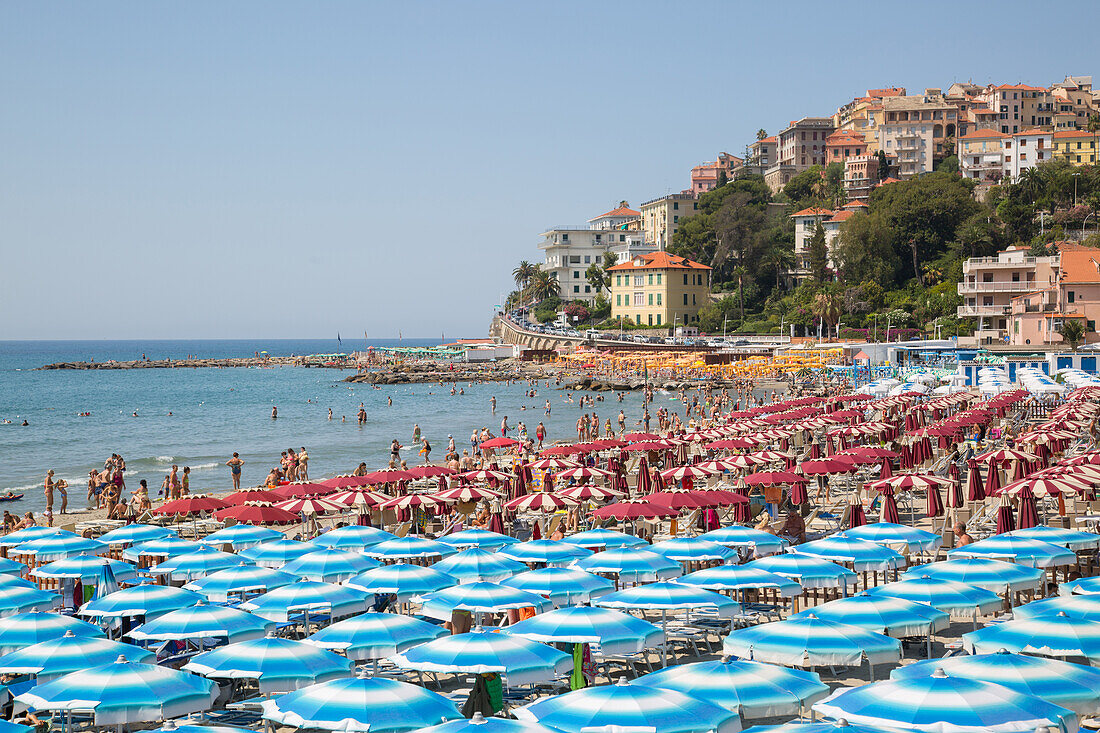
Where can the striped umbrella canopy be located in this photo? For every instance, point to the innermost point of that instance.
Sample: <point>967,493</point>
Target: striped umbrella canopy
<point>402,580</point>
<point>241,579</point>
<point>669,597</point>
<point>624,707</point>
<point>14,581</point>
<point>887,615</point>
<point>540,501</point>
<point>183,726</point>
<point>825,726</point>
<point>897,536</point>
<point>1083,586</point>
<point>476,564</point>
<point>764,543</point>
<point>480,724</point>
<point>405,548</point>
<point>329,566</point>
<point>993,575</point>
<point>809,571</point>
<point>606,539</point>
<point>352,537</point>
<point>685,549</point>
<point>629,563</point>
<point>1072,686</point>
<point>614,631</point>
<point>278,665</point>
<point>11,567</point>
<point>304,596</point>
<point>240,536</point>
<point>561,585</point>
<point>1069,538</point>
<point>135,534</point>
<point>519,660</point>
<point>125,692</point>
<point>939,703</point>
<point>18,599</point>
<point>375,635</point>
<point>361,705</point>
<point>311,506</point>
<point>809,641</point>
<point>56,547</point>
<point>588,492</point>
<point>25,629</point>
<point>1022,551</point>
<point>479,538</point>
<point>28,534</point>
<point>740,577</point>
<point>549,552</point>
<point>1049,635</point>
<point>69,653</point>
<point>160,547</point>
<point>85,567</point>
<point>204,622</point>
<point>1078,606</point>
<point>201,562</point>
<point>479,598</point>
<point>278,553</point>
<point>751,689</point>
<point>550,464</point>
<point>582,472</point>
<point>140,600</point>
<point>862,555</point>
<point>949,596</point>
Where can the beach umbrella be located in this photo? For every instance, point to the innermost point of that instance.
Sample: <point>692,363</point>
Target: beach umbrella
<point>1077,606</point>
<point>19,599</point>
<point>360,705</point>
<point>887,615</point>
<point>1072,686</point>
<point>974,489</point>
<point>1020,550</point>
<point>561,585</point>
<point>25,629</point>
<point>68,653</point>
<point>375,635</point>
<point>278,553</point>
<point>614,631</point>
<point>751,689</point>
<point>241,579</point>
<point>478,538</point>
<point>256,496</point>
<point>1006,521</point>
<point>56,547</point>
<point>628,563</point>
<point>622,707</point>
<point>519,660</point>
<point>479,598</point>
<point>993,575</point>
<point>1082,586</point>
<point>27,534</point>
<point>193,504</point>
<point>352,537</point>
<point>184,725</point>
<point>11,567</point>
<point>329,566</point>
<point>197,564</point>
<point>202,621</point>
<point>240,536</point>
<point>1069,538</point>
<point>299,489</point>
<point>14,581</point>
<point>278,665</point>
<point>85,567</point>
<point>401,580</point>
<point>124,692</point>
<point>476,564</point>
<point>740,577</point>
<point>256,514</point>
<point>825,726</point>
<point>808,571</point>
<point>135,534</point>
<point>480,724</point>
<point>605,539</point>
<point>809,641</point>
<point>540,501</point>
<point>939,703</point>
<point>549,552</point>
<point>763,543</point>
<point>465,494</point>
<point>1048,635</point>
<point>140,600</point>
<point>310,506</point>
<point>862,555</point>
<point>588,492</point>
<point>949,596</point>
<point>307,596</point>
<point>897,536</point>
<point>161,547</point>
<point>406,548</point>
<point>690,549</point>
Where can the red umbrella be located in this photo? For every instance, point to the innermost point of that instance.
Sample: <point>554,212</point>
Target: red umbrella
<point>256,495</point>
<point>836,464</point>
<point>975,492</point>
<point>519,486</point>
<point>1029,514</point>
<point>498,443</point>
<point>634,509</point>
<point>553,463</point>
<point>1006,522</point>
<point>856,516</point>
<point>346,482</point>
<point>889,507</point>
<point>464,494</point>
<point>906,481</point>
<point>886,470</point>
<point>645,482</point>
<point>799,495</point>
<point>641,436</point>
<point>300,488</point>
<point>254,513</point>
<point>587,492</point>
<point>992,480</point>
<point>815,451</point>
<point>1018,471</point>
<point>387,476</point>
<point>560,450</point>
<point>585,472</point>
<point>935,502</point>
<point>680,499</point>
<point>429,471</point>
<point>483,475</point>
<point>540,501</point>
<point>774,478</point>
<point>359,497</point>
<point>646,446</point>
<point>412,501</point>
<point>308,506</point>
<point>194,504</point>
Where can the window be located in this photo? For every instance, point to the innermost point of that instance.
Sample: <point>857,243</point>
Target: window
<point>1090,326</point>
<point>639,281</point>
<point>651,298</point>
<point>639,298</point>
<point>658,278</point>
<point>651,319</point>
<point>659,319</point>
<point>693,298</point>
<point>685,278</point>
<point>675,205</point>
<point>1071,296</point>
<point>565,237</point>
<point>598,259</point>
<point>588,259</point>
<point>618,300</point>
<point>576,288</point>
<point>576,274</point>
<point>685,298</point>
<point>658,298</point>
<point>588,288</point>
<point>618,279</point>
<point>1015,277</point>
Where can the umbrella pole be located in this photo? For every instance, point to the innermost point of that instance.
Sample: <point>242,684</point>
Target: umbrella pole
<point>664,642</point>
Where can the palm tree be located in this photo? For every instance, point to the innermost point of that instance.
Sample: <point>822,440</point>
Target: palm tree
<point>779,257</point>
<point>543,285</point>
<point>827,308</point>
<point>523,273</point>
<point>761,134</point>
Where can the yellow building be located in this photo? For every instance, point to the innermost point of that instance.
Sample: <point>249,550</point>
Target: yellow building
<point>1076,146</point>
<point>659,289</point>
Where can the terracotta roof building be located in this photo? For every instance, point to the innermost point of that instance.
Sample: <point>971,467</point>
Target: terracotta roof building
<point>659,289</point>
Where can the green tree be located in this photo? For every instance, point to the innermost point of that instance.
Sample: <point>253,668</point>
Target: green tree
<point>543,286</point>
<point>523,273</point>
<point>827,309</point>
<point>1073,331</point>
<point>950,164</point>
<point>804,187</point>
<point>778,255</point>
<point>597,274</point>
<point>834,184</point>
<point>761,134</point>
<point>817,253</point>
<point>723,179</point>
<point>883,166</point>
<point>864,250</point>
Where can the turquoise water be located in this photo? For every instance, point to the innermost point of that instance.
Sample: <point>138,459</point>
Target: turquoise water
<point>218,411</point>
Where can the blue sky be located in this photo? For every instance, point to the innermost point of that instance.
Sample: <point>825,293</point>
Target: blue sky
<point>269,169</point>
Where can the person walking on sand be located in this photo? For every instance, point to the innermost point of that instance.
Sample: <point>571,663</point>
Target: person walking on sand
<point>303,464</point>
<point>235,464</point>
<point>174,482</point>
<point>185,482</point>
<point>48,490</point>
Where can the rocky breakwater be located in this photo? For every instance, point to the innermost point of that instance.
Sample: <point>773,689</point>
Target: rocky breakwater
<point>504,370</point>
<point>178,363</point>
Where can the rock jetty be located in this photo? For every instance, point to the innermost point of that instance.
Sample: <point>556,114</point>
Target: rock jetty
<point>240,362</point>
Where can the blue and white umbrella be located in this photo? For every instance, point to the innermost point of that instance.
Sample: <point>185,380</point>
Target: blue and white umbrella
<point>993,575</point>
<point>278,665</point>
<point>18,599</point>
<point>160,547</point>
<point>614,631</point>
<point>884,615</point>
<point>740,577</point>
<point>402,580</point>
<point>305,596</point>
<point>1056,635</point>
<point>278,553</point>
<point>562,585</point>
<point>352,537</point>
<point>56,547</point>
<point>196,564</point>
<point>27,534</point>
<point>329,566</point>
<point>825,726</point>
<point>480,724</point>
<point>240,580</point>
<point>69,653</point>
<point>375,635</point>
<point>241,536</point>
<point>11,567</point>
<point>476,564</point>
<point>479,598</point>
<point>809,641</point>
<point>939,703</point>
<point>863,556</point>
<point>550,552</point>
<point>408,548</point>
<point>478,538</point>
<point>25,629</point>
<point>361,705</point>
<point>85,567</point>
<point>519,660</point>
<point>631,563</point>
<point>808,571</point>
<point>1069,538</point>
<point>204,622</point>
<point>135,534</point>
<point>14,581</point>
<point>692,549</point>
<point>1081,586</point>
<point>1079,606</point>
<point>896,536</point>
<point>753,540</point>
<point>622,707</point>
<point>1072,686</point>
<point>185,725</point>
<point>752,689</point>
<point>957,599</point>
<point>125,692</point>
<point>606,539</point>
<point>140,600</point>
<point>1020,550</point>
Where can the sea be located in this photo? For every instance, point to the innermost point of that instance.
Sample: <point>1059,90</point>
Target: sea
<point>199,417</point>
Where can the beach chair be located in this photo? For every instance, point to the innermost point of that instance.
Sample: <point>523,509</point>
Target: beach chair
<point>402,529</point>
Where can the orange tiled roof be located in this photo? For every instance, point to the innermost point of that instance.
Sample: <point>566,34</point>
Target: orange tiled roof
<point>1079,264</point>
<point>769,140</point>
<point>856,205</point>
<point>660,261</point>
<point>982,135</point>
<point>813,211</point>
<point>982,111</point>
<point>1073,133</point>
<point>1023,87</point>
<point>843,215</point>
<point>620,211</point>
<point>1031,131</point>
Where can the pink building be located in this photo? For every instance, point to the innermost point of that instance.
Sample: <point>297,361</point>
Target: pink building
<point>704,177</point>
<point>1038,315</point>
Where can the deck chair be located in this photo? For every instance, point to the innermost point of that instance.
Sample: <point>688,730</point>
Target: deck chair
<point>402,529</point>
<point>555,523</point>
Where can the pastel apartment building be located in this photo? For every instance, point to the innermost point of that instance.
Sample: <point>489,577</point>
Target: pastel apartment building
<point>981,156</point>
<point>914,130</point>
<point>1026,149</point>
<point>761,155</point>
<point>1037,316</point>
<point>661,217</point>
<point>705,176</point>
<point>799,146</point>
<point>659,289</point>
<point>861,175</point>
<point>990,283</point>
<point>1019,106</point>
<point>805,224</point>
<point>1078,147</point>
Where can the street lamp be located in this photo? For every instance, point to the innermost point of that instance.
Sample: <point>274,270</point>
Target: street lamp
<point>1083,223</point>
<point>1075,188</point>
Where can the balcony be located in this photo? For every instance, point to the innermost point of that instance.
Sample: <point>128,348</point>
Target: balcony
<point>977,311</point>
<point>986,262</point>
<point>995,287</point>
